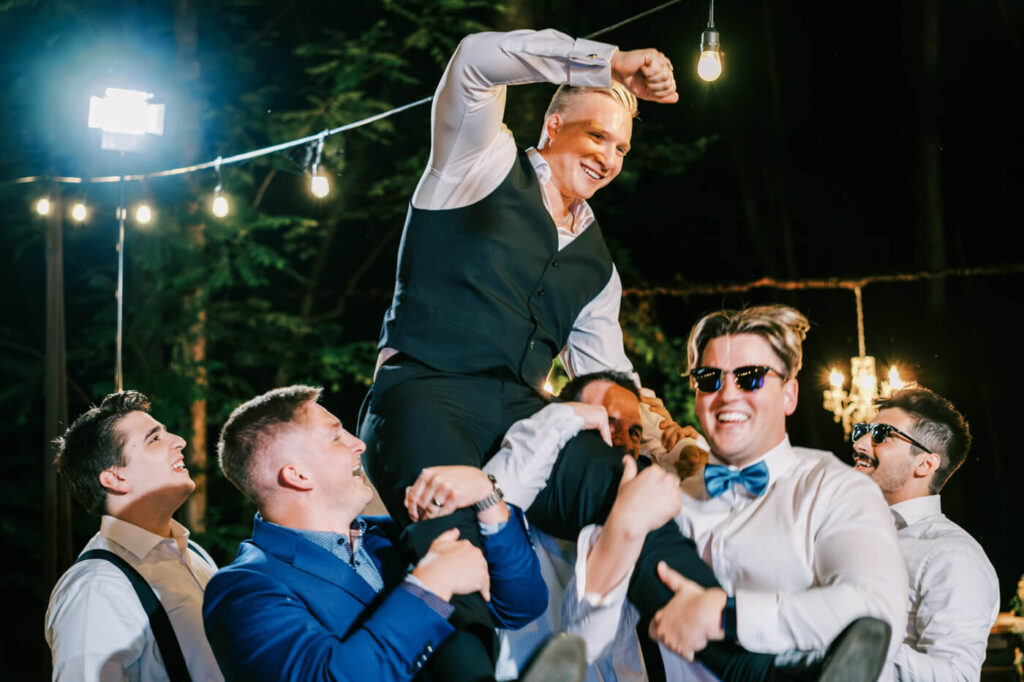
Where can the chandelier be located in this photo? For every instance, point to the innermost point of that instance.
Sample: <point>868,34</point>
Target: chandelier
<point>858,404</point>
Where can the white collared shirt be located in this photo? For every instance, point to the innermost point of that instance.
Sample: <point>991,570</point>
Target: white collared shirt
<point>522,467</point>
<point>813,553</point>
<point>96,626</point>
<point>816,551</point>
<point>472,151</point>
<point>954,595</point>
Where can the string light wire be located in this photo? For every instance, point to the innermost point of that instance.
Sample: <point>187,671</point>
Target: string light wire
<point>255,153</point>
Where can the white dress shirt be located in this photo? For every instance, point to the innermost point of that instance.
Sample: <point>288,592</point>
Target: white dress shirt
<point>813,553</point>
<point>472,151</point>
<point>954,595</point>
<point>522,467</point>
<point>96,626</point>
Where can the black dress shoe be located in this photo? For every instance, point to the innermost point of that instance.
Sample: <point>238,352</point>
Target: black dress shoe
<point>856,655</point>
<point>562,659</point>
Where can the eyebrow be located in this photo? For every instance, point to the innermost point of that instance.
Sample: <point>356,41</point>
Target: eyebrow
<point>152,431</point>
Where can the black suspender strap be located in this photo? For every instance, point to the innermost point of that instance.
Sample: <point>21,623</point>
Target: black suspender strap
<point>170,650</point>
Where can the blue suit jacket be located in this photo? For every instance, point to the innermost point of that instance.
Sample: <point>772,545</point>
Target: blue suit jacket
<point>286,609</point>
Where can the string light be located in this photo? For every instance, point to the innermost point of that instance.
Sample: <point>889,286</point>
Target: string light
<point>79,212</point>
<point>220,206</point>
<point>319,185</point>
<point>709,67</point>
<point>43,206</point>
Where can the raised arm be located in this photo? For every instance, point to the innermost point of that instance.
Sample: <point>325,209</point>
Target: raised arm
<point>469,103</point>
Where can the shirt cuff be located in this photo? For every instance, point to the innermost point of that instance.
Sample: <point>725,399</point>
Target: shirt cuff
<point>590,64</point>
<point>420,591</point>
<point>493,528</point>
<point>616,596</point>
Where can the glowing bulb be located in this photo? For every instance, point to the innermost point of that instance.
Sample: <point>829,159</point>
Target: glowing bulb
<point>79,212</point>
<point>549,388</point>
<point>836,378</point>
<point>220,206</point>
<point>319,186</point>
<point>894,379</point>
<point>43,206</point>
<point>143,214</point>
<point>709,68</point>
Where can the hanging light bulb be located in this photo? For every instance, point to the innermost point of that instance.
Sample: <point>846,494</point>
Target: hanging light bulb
<point>709,67</point>
<point>79,212</point>
<point>319,185</point>
<point>836,378</point>
<point>143,214</point>
<point>43,206</point>
<point>220,206</point>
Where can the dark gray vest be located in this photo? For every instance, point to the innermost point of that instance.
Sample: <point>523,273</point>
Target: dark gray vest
<point>484,287</point>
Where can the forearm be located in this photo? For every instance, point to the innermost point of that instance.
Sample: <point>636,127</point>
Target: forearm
<point>594,615</point>
<point>518,592</point>
<point>613,555</point>
<point>523,464</point>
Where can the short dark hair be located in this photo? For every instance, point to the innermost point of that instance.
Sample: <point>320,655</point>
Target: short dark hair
<point>92,445</point>
<point>252,425</point>
<point>938,425</point>
<point>573,391</point>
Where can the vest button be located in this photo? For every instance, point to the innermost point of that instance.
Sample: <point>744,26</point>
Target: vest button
<point>540,292</point>
<point>532,344</point>
<point>554,263</point>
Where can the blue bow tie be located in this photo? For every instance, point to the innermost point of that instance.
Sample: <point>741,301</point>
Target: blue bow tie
<point>718,478</point>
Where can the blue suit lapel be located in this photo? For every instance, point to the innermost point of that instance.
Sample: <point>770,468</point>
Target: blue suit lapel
<point>308,558</point>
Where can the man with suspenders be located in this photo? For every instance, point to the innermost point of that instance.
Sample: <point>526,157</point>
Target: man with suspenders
<point>131,606</point>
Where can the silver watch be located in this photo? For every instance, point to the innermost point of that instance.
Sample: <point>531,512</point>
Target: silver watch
<point>492,499</point>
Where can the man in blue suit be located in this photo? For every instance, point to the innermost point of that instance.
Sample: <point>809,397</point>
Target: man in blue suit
<point>320,592</point>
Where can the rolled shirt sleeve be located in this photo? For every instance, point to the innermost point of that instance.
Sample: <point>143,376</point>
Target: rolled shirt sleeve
<point>523,464</point>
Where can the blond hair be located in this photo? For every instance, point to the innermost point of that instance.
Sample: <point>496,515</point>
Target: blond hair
<point>784,329</point>
<point>566,95</point>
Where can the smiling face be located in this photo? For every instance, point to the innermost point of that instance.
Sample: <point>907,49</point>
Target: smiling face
<point>331,456</point>
<point>743,425</point>
<point>623,413</point>
<point>586,144</point>
<point>893,462</point>
<point>154,466</point>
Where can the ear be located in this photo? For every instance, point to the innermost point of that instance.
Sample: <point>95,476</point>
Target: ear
<point>552,125</point>
<point>112,481</point>
<point>927,465</point>
<point>790,396</point>
<point>292,476</point>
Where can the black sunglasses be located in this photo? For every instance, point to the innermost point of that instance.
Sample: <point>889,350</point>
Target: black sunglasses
<point>749,378</point>
<point>879,432</point>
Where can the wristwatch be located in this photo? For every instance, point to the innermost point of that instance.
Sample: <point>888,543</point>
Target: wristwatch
<point>492,499</point>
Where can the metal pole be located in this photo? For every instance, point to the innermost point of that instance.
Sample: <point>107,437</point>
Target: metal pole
<point>118,373</point>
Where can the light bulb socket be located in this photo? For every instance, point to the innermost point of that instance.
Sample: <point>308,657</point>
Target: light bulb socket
<point>710,40</point>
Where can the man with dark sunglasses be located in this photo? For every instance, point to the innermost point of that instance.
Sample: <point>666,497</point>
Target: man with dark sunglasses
<point>911,449</point>
<point>803,549</point>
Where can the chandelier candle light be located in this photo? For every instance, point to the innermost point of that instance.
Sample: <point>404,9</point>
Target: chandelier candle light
<point>857,405</point>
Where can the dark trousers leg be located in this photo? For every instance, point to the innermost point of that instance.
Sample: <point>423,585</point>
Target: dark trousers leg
<point>581,491</point>
<point>414,418</point>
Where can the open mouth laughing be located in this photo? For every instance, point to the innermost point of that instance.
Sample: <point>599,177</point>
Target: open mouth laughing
<point>864,462</point>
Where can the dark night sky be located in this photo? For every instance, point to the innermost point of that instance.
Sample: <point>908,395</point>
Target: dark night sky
<point>829,140</point>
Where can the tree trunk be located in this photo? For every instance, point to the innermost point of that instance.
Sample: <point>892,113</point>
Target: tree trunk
<point>186,38</point>
<point>57,550</point>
